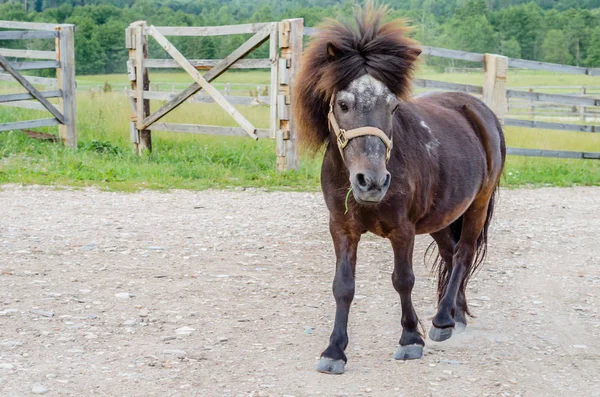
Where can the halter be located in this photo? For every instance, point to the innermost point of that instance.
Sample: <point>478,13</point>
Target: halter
<point>343,136</point>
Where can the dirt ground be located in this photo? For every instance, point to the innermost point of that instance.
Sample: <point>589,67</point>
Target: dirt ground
<point>228,293</point>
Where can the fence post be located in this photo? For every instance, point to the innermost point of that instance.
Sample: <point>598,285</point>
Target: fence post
<point>65,76</point>
<point>582,107</point>
<point>531,105</point>
<point>494,84</point>
<point>137,42</point>
<point>291,33</point>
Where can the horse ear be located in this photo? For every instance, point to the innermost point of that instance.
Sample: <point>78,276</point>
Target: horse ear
<point>333,53</point>
<point>415,52</point>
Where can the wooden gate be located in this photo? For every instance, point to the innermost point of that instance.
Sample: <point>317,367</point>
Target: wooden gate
<point>285,51</point>
<point>62,59</point>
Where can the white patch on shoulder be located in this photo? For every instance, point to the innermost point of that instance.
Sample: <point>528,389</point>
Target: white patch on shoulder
<point>431,145</point>
<point>434,143</point>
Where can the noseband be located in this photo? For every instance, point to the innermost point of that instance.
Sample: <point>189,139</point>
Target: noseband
<point>343,136</point>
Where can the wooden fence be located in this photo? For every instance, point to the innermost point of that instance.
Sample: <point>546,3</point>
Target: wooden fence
<point>62,59</point>
<point>285,50</point>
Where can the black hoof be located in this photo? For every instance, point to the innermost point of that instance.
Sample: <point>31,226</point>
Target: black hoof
<point>409,352</point>
<point>440,334</point>
<point>331,366</point>
<point>459,327</point>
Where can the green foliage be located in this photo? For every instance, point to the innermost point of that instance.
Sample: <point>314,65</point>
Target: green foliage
<point>510,48</point>
<point>593,56</point>
<point>555,47</point>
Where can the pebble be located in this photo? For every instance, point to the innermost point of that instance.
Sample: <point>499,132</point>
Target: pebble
<point>42,313</point>
<point>144,313</point>
<point>168,337</point>
<point>222,339</point>
<point>580,346</point>
<point>175,352</point>
<point>184,331</point>
<point>451,362</point>
<point>129,323</point>
<point>124,295</point>
<point>39,389</point>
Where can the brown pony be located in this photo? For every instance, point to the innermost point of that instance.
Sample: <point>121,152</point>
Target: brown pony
<point>429,164</point>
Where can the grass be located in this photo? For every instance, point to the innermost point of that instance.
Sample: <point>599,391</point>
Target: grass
<point>188,161</point>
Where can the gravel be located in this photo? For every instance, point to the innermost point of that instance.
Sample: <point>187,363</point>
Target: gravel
<point>248,273</point>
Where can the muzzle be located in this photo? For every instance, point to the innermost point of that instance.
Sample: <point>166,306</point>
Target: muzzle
<point>343,136</point>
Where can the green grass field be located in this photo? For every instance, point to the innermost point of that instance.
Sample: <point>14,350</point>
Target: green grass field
<point>105,158</point>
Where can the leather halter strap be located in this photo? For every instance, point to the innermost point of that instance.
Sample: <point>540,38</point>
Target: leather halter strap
<point>343,136</point>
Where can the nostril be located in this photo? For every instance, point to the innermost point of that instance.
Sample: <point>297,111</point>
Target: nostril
<point>386,183</point>
<point>360,179</point>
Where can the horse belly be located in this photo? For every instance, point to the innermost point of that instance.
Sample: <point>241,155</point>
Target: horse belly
<point>442,217</point>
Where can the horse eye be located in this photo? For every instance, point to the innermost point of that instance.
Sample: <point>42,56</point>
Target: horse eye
<point>395,109</point>
<point>344,107</point>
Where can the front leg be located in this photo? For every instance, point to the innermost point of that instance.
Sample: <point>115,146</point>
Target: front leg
<point>403,278</point>
<point>345,241</point>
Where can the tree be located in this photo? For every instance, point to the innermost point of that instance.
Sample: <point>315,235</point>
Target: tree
<point>555,48</point>
<point>510,48</point>
<point>593,54</point>
<point>474,34</point>
<point>522,23</point>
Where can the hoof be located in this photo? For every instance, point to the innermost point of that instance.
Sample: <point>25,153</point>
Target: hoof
<point>459,327</point>
<point>409,352</point>
<point>331,366</point>
<point>440,334</point>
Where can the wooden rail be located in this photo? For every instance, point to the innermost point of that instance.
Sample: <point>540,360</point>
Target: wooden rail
<point>225,30</point>
<point>207,64</point>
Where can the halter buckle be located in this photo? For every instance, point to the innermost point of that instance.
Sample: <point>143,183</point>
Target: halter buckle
<point>341,139</point>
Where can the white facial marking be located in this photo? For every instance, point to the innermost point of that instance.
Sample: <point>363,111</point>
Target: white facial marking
<point>366,82</point>
<point>346,96</point>
<point>366,89</point>
<point>424,125</point>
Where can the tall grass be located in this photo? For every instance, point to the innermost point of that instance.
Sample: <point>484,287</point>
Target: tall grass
<point>192,161</point>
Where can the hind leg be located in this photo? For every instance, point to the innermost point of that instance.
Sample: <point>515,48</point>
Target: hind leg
<point>462,261</point>
<point>446,240</point>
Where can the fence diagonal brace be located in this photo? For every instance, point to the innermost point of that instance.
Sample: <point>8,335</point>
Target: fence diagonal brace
<point>32,90</point>
<point>220,68</point>
<point>212,91</point>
